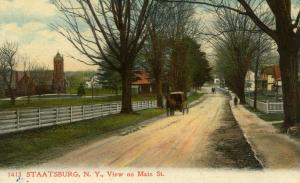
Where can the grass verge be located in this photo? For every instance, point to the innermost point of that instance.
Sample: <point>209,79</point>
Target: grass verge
<point>272,118</point>
<point>266,117</point>
<point>36,146</point>
<point>194,96</point>
<point>60,102</point>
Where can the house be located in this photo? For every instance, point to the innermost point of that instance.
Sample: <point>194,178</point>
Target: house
<point>250,81</point>
<point>142,83</point>
<point>40,82</point>
<point>271,79</point>
<point>216,81</point>
<point>93,82</point>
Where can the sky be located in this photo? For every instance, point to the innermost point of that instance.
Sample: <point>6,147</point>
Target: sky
<point>27,23</point>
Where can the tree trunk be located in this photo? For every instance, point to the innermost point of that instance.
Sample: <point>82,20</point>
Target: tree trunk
<point>159,93</point>
<point>12,96</point>
<point>241,90</point>
<point>126,91</point>
<point>289,76</point>
<point>256,83</point>
<point>242,98</point>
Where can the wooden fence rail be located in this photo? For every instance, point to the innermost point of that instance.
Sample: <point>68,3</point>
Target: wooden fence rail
<point>266,107</point>
<point>25,119</point>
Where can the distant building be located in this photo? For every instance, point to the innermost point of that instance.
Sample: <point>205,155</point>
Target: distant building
<point>271,79</point>
<point>58,80</point>
<point>216,81</point>
<point>93,82</point>
<point>53,80</point>
<point>142,82</point>
<point>250,81</point>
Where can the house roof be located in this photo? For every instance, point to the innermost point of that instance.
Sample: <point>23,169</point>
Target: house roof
<point>47,75</point>
<point>273,70</point>
<point>141,77</point>
<point>277,73</point>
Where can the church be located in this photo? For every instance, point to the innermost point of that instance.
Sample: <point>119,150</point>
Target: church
<point>41,82</point>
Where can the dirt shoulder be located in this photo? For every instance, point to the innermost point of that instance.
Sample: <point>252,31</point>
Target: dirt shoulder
<point>228,146</point>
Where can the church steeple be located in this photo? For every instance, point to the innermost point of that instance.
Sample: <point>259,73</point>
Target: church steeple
<point>58,82</point>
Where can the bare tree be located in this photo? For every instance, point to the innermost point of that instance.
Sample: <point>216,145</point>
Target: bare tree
<point>27,81</point>
<point>263,52</point>
<point>8,63</point>
<point>40,75</point>
<point>158,21</point>
<point>181,26</point>
<point>285,31</point>
<point>90,26</point>
<point>235,49</point>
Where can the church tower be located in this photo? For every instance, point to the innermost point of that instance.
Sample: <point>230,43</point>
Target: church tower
<point>58,82</point>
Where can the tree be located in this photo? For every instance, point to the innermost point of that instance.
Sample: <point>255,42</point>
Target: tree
<point>235,49</point>
<point>29,84</point>
<point>109,78</point>
<point>119,26</point>
<point>263,53</point>
<point>199,66</point>
<point>8,63</point>
<point>157,28</point>
<point>40,74</point>
<point>284,29</point>
<point>81,90</point>
<point>181,26</point>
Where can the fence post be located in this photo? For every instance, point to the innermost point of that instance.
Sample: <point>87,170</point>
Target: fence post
<point>18,119</point>
<point>267,106</point>
<point>71,114</point>
<point>93,111</point>
<point>39,113</point>
<point>82,111</point>
<point>57,115</point>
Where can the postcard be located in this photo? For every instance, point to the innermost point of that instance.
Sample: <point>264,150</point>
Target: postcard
<point>149,91</point>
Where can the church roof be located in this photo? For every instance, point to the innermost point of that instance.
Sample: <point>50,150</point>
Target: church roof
<point>58,56</point>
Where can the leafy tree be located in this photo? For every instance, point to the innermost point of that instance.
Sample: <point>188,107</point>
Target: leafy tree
<point>199,68</point>
<point>109,78</point>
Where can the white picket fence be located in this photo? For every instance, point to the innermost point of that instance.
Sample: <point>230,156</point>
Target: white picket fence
<point>25,119</point>
<point>266,107</point>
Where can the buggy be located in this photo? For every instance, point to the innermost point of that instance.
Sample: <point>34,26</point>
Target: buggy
<point>176,101</point>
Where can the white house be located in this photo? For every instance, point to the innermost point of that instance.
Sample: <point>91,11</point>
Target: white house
<point>250,81</point>
<point>93,82</point>
<point>216,81</point>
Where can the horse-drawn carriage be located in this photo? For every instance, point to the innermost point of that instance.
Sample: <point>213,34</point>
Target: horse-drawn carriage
<point>176,101</point>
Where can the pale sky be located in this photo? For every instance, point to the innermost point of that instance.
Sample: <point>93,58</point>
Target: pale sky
<point>26,22</point>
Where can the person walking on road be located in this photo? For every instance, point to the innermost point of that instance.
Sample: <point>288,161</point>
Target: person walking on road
<point>235,100</point>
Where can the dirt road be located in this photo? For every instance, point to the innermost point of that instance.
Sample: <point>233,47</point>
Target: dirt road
<point>176,141</point>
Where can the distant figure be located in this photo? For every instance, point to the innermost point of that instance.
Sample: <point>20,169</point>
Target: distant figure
<point>235,100</point>
<point>213,90</point>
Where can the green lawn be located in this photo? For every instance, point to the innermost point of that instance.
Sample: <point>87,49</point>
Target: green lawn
<point>36,146</point>
<point>97,91</point>
<point>295,136</point>
<point>266,117</point>
<point>194,96</point>
<point>59,102</point>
